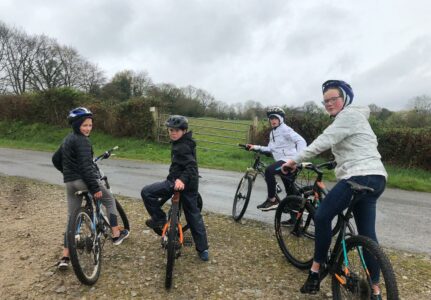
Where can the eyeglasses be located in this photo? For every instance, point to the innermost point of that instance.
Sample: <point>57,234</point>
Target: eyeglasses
<point>330,100</point>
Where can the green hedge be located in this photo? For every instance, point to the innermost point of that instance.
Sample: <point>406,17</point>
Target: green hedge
<point>129,118</point>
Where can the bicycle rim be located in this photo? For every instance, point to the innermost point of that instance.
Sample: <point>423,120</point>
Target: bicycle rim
<point>84,247</point>
<point>356,282</point>
<point>296,245</point>
<point>123,221</point>
<point>242,197</point>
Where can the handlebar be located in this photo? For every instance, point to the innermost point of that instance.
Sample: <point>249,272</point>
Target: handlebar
<point>329,165</point>
<point>247,148</point>
<point>106,154</point>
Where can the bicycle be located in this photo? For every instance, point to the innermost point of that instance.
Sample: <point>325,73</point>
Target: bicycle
<point>297,241</point>
<point>346,261</point>
<point>243,191</point>
<point>173,235</point>
<point>88,229</point>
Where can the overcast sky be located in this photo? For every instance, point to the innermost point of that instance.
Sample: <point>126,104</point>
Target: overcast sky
<point>274,52</point>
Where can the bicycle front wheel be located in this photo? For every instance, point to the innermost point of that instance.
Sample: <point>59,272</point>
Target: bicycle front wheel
<point>293,234</point>
<point>172,234</point>
<point>353,281</point>
<point>84,246</point>
<point>242,197</point>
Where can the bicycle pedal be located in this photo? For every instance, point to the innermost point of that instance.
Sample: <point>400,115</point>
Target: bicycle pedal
<point>188,241</point>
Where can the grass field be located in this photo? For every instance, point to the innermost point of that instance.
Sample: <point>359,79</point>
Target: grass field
<point>47,138</point>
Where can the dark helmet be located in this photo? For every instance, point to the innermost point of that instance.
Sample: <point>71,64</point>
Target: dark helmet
<point>78,113</point>
<point>343,86</point>
<point>177,121</point>
<point>275,111</point>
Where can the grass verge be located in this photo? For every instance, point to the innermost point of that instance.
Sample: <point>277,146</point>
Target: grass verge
<point>47,138</point>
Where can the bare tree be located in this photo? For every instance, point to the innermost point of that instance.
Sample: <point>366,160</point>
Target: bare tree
<point>20,50</point>
<point>141,83</point>
<point>91,78</point>
<point>47,71</point>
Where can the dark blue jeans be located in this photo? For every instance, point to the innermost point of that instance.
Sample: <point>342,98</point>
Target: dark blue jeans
<point>270,173</point>
<point>364,212</point>
<point>158,192</point>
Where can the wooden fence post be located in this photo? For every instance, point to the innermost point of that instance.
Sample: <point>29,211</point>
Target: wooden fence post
<point>252,132</point>
<point>155,114</point>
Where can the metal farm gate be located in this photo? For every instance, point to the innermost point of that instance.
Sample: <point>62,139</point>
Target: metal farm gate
<point>210,133</point>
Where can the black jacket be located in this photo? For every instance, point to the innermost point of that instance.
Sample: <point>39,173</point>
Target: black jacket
<point>74,159</point>
<point>184,165</point>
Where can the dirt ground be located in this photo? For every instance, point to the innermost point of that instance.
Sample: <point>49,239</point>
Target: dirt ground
<point>245,261</point>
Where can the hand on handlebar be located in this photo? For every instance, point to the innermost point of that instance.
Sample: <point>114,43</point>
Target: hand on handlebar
<point>98,195</point>
<point>250,147</point>
<point>179,185</point>
<point>288,166</point>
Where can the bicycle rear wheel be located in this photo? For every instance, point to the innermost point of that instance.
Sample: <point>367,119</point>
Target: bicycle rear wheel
<point>242,197</point>
<point>172,234</point>
<point>355,283</point>
<point>123,221</point>
<point>84,246</point>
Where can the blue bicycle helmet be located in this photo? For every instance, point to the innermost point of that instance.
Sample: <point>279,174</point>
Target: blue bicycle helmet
<point>346,89</point>
<point>78,113</point>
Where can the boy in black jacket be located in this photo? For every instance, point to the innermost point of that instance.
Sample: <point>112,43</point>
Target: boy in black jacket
<point>183,176</point>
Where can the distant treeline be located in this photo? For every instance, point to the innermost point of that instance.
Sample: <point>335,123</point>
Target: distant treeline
<point>40,80</point>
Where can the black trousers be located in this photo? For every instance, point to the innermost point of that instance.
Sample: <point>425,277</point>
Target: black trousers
<point>159,192</point>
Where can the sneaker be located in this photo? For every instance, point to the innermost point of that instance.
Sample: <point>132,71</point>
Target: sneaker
<point>289,223</point>
<point>204,255</point>
<point>268,205</point>
<point>312,284</point>
<point>157,227</point>
<point>64,262</point>
<point>124,234</point>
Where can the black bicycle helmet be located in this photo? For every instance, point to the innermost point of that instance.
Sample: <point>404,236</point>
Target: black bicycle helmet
<point>275,111</point>
<point>177,121</point>
<point>78,113</point>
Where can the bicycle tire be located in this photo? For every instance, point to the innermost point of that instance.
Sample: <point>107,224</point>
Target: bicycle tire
<point>297,247</point>
<point>200,205</point>
<point>242,197</point>
<point>124,221</point>
<point>84,246</point>
<point>357,285</point>
<point>171,245</point>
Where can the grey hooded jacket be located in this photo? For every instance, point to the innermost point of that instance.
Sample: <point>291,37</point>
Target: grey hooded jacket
<point>352,142</point>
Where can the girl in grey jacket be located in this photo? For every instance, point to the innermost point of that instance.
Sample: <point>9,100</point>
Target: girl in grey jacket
<point>284,143</point>
<point>354,146</point>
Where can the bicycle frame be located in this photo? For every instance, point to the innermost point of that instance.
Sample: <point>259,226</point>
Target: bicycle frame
<point>175,201</point>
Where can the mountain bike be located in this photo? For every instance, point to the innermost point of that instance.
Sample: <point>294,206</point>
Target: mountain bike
<point>297,241</point>
<point>173,235</point>
<point>346,262</point>
<point>88,229</point>
<point>245,186</point>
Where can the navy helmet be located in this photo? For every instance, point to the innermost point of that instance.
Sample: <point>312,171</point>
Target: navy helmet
<point>78,113</point>
<point>344,87</point>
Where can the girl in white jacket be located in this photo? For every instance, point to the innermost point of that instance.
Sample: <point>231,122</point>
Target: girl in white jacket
<point>284,143</point>
<point>354,146</point>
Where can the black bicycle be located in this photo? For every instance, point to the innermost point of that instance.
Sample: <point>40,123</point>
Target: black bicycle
<point>346,261</point>
<point>301,183</point>
<point>173,235</point>
<point>296,241</point>
<point>88,230</point>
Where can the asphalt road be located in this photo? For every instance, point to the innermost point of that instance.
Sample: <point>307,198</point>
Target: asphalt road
<point>403,218</point>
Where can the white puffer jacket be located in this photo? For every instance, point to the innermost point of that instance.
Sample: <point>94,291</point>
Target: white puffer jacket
<point>352,142</point>
<point>284,143</point>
